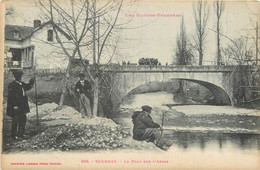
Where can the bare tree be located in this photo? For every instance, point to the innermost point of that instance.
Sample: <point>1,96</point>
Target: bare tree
<point>9,11</point>
<point>219,7</point>
<point>201,14</point>
<point>239,51</point>
<point>100,42</point>
<point>90,28</point>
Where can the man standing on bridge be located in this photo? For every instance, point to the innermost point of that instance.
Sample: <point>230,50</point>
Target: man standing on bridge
<point>146,129</point>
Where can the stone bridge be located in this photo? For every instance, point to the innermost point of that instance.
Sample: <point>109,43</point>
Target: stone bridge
<point>222,81</point>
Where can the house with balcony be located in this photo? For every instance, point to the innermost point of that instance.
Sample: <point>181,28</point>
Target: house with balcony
<point>26,47</point>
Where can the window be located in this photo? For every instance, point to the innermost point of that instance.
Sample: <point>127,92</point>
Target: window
<point>17,54</point>
<point>50,35</point>
<point>16,34</point>
<point>32,57</point>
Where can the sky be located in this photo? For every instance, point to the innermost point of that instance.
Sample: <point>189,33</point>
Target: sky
<point>155,37</point>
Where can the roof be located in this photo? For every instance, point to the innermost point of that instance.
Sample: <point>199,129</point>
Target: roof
<point>27,32</point>
<point>24,31</point>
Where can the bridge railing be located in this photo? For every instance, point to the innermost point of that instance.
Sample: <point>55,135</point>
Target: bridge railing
<point>169,68</point>
<point>136,68</point>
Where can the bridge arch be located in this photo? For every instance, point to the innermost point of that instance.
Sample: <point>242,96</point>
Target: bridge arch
<point>220,80</point>
<point>220,95</point>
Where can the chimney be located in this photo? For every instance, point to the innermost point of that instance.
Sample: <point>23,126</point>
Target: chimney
<point>36,23</point>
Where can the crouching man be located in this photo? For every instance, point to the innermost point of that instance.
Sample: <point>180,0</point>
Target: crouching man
<point>17,104</point>
<point>146,129</point>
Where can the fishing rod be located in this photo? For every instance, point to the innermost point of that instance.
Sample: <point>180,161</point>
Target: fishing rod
<point>36,101</point>
<point>162,124</point>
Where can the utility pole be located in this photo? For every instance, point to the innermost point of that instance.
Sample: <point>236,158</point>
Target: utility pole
<point>256,43</point>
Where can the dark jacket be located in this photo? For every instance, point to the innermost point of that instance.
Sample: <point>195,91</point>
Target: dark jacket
<point>17,98</point>
<point>85,89</point>
<point>141,122</point>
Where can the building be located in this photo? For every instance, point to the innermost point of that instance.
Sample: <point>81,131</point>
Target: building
<point>26,47</point>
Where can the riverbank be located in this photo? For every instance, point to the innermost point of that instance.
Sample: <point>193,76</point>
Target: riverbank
<point>181,120</point>
<point>191,146</point>
<point>65,130</point>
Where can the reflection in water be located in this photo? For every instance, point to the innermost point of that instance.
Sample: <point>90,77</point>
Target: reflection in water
<point>221,140</point>
<point>242,142</point>
<point>152,99</point>
<point>202,143</point>
<point>188,140</point>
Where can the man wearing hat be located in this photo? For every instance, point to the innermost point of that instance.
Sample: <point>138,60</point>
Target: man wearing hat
<point>83,87</point>
<point>17,103</point>
<point>146,129</point>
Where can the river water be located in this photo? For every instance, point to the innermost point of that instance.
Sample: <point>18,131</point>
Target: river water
<point>220,129</point>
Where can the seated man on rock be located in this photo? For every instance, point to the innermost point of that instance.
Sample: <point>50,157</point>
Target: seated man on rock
<point>146,129</point>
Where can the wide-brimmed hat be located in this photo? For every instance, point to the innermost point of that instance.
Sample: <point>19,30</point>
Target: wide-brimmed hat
<point>17,72</point>
<point>146,108</point>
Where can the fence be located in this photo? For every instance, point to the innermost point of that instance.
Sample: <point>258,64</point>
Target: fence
<point>52,70</point>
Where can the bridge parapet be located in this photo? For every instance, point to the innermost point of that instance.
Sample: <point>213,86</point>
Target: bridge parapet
<point>169,68</point>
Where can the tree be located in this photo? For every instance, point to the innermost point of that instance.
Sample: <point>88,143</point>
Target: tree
<point>239,51</point>
<point>183,49</point>
<point>9,11</point>
<point>90,27</point>
<point>219,7</point>
<point>201,14</point>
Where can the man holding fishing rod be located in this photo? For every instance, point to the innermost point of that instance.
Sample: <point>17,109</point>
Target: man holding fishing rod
<point>146,129</point>
<point>17,103</point>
